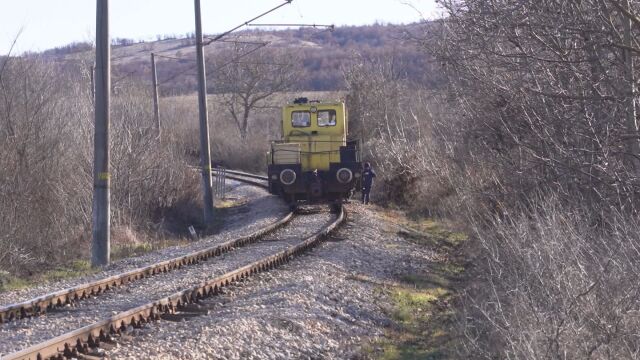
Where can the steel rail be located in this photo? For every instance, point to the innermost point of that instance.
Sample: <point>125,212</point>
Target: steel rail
<point>247,175</point>
<point>247,181</point>
<point>242,176</point>
<point>40,304</point>
<point>80,341</point>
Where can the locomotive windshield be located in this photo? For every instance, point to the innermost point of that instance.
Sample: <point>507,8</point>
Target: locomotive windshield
<point>326,118</point>
<point>300,119</point>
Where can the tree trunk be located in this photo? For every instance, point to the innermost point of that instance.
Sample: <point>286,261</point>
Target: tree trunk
<point>633,143</point>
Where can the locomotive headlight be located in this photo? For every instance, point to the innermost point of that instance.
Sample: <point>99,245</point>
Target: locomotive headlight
<point>287,176</point>
<point>274,177</point>
<point>344,175</point>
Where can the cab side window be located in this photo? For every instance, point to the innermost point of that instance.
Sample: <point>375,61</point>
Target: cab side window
<point>326,118</point>
<point>300,119</point>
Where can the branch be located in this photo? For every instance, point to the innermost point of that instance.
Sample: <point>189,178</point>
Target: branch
<point>625,12</point>
<point>626,47</point>
<point>8,56</point>
<point>570,97</point>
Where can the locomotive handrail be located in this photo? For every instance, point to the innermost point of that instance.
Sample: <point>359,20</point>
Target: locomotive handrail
<point>308,152</point>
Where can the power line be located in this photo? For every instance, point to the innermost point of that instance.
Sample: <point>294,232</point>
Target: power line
<point>239,41</point>
<point>170,57</point>
<point>176,75</point>
<point>260,43</point>
<point>232,61</point>
<point>332,27</point>
<point>125,76</point>
<point>260,46</point>
<point>247,22</point>
<point>239,57</point>
<point>219,37</point>
<point>260,63</point>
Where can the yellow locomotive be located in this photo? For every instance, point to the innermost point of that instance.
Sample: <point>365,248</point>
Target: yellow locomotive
<point>314,162</point>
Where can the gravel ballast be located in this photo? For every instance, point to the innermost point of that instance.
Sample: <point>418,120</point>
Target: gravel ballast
<point>260,210</point>
<point>18,335</point>
<point>325,304</point>
<point>314,307</point>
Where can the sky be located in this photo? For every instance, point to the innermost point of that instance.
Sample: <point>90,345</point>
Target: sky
<point>43,24</point>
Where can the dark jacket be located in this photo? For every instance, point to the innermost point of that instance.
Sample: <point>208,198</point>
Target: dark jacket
<point>367,178</point>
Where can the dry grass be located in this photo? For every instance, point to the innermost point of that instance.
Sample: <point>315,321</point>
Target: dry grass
<point>422,302</point>
<point>551,284</point>
<point>45,183</point>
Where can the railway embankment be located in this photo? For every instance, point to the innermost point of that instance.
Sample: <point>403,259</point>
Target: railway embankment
<point>257,209</point>
<point>381,287</point>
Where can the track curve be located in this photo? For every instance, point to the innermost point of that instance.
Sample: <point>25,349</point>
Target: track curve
<point>86,338</point>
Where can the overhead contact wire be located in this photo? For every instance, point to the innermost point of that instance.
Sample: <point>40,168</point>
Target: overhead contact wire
<point>287,2</point>
<point>217,38</point>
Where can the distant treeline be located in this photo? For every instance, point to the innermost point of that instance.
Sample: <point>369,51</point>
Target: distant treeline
<point>323,63</point>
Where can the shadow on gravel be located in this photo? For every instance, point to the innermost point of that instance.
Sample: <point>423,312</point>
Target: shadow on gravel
<point>231,214</point>
<point>260,209</point>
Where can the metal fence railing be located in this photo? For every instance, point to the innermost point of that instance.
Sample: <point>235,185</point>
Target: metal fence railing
<point>219,187</point>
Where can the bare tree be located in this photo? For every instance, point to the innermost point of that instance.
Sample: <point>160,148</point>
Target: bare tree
<point>246,82</point>
<point>544,94</point>
<point>45,167</point>
<point>548,92</point>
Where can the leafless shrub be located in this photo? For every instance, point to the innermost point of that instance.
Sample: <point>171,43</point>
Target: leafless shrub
<point>533,142</point>
<point>547,90</point>
<point>148,174</point>
<point>544,95</point>
<point>46,136</point>
<point>404,135</point>
<point>40,186</point>
<point>556,283</point>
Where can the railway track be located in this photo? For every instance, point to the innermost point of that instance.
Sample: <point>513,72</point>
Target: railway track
<point>41,304</point>
<point>252,179</point>
<point>79,327</point>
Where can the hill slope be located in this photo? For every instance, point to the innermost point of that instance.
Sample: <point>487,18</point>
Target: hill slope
<point>322,55</point>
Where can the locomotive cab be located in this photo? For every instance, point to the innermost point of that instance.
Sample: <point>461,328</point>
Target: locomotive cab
<point>314,162</point>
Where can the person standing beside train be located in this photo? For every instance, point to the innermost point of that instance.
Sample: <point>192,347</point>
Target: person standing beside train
<point>367,181</point>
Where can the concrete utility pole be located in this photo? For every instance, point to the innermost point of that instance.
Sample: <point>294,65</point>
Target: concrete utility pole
<point>101,178</point>
<point>93,84</point>
<point>156,106</point>
<point>205,152</point>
